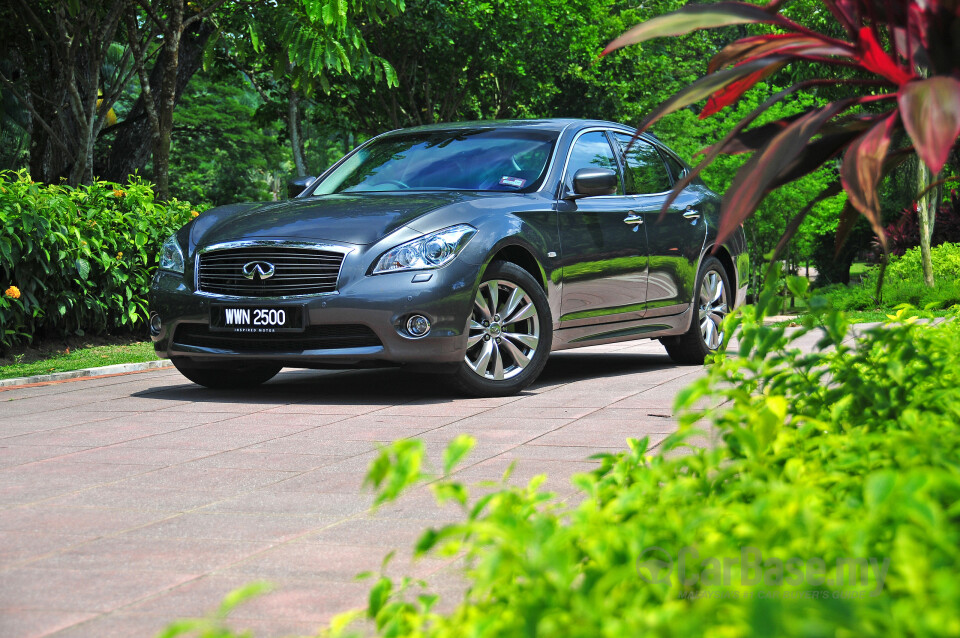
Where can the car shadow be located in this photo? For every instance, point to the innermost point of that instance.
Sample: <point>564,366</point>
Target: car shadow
<point>395,385</point>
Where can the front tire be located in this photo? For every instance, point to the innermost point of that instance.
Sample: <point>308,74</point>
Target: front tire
<point>712,301</point>
<point>241,374</point>
<point>509,333</point>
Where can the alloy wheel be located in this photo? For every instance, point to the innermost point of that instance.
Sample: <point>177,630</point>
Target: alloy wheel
<point>713,308</point>
<point>504,331</point>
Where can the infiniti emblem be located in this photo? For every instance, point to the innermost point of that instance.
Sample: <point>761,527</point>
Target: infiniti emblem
<point>258,269</point>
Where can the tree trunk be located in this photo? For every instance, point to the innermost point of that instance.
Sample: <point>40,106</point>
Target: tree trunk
<point>134,141</point>
<point>926,216</point>
<point>296,137</point>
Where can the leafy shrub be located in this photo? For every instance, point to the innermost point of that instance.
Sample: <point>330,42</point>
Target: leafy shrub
<point>80,258</point>
<point>903,283</point>
<point>904,232</point>
<point>830,507</point>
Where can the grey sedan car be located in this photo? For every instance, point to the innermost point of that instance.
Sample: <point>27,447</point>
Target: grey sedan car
<point>471,250</point>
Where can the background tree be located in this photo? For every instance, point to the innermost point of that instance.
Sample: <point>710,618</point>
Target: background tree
<point>927,109</point>
<point>55,55</point>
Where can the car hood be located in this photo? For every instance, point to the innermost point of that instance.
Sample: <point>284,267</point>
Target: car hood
<point>355,218</point>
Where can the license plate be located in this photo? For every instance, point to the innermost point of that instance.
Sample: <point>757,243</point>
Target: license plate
<point>256,319</point>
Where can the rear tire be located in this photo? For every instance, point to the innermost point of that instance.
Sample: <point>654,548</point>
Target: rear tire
<point>241,374</point>
<point>712,303</point>
<point>509,334</point>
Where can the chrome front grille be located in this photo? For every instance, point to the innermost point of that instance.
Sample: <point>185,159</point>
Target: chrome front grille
<point>296,271</point>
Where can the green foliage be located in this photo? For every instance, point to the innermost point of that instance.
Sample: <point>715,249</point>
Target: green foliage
<point>842,455</point>
<point>81,258</point>
<point>903,283</point>
<point>221,153</point>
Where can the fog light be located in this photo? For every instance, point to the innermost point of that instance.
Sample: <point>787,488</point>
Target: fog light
<point>155,324</point>
<point>418,326</point>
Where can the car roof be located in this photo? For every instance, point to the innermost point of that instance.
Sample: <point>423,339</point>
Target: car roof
<point>552,124</point>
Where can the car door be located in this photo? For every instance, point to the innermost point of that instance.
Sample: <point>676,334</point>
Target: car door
<point>604,252</point>
<point>674,242</point>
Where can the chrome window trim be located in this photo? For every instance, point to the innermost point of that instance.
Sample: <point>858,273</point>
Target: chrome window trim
<point>553,160</point>
<point>659,151</point>
<point>561,187</point>
<point>266,242</point>
<point>604,129</point>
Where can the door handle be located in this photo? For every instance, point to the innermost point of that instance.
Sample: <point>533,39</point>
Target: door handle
<point>691,213</point>
<point>633,218</point>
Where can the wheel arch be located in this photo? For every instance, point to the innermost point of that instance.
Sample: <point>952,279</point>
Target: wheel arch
<point>523,257</point>
<point>723,255</point>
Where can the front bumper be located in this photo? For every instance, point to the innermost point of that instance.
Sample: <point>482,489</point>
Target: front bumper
<point>380,303</point>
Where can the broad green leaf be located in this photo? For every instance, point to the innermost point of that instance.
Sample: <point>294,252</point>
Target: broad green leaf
<point>693,17</point>
<point>863,168</point>
<point>930,109</point>
<point>878,487</point>
<point>707,86</point>
<point>756,177</point>
<point>456,451</point>
<point>83,268</point>
<point>242,594</point>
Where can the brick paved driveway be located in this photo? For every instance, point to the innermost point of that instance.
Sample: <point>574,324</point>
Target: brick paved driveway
<point>126,502</point>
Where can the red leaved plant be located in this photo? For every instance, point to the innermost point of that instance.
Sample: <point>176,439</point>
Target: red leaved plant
<point>918,79</point>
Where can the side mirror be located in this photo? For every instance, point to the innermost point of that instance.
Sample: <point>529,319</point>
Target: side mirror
<point>297,185</point>
<point>594,181</point>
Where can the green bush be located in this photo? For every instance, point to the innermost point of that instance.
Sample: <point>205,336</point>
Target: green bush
<point>903,283</point>
<point>78,260</point>
<point>830,506</point>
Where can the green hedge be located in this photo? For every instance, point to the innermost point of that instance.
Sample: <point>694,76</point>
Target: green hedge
<point>845,457</point>
<point>76,261</point>
<point>903,283</point>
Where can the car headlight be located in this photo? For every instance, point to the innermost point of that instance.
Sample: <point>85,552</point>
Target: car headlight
<point>171,257</point>
<point>430,251</point>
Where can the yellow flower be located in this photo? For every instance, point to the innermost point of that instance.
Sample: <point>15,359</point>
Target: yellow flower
<point>120,255</point>
<point>118,193</point>
<point>13,292</point>
<point>194,213</point>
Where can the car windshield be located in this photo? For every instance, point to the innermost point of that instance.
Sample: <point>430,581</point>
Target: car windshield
<point>504,159</point>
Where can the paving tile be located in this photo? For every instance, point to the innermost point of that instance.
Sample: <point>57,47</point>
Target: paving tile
<point>247,459</point>
<point>147,499</point>
<point>322,482</point>
<point>86,590</point>
<point>310,601</point>
<point>127,455</point>
<point>334,506</point>
<point>16,547</point>
<point>82,521</point>
<point>531,451</point>
<point>141,553</point>
<point>205,479</point>
<point>248,526</point>
<point>61,471</point>
<point>372,531</point>
<point>338,563</point>
<point>25,623</point>
<point>12,455</point>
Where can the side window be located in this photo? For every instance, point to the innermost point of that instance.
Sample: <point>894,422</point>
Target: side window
<point>675,166</point>
<point>646,172</point>
<point>592,150</point>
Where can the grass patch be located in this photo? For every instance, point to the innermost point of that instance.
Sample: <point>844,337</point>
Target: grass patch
<point>79,359</point>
